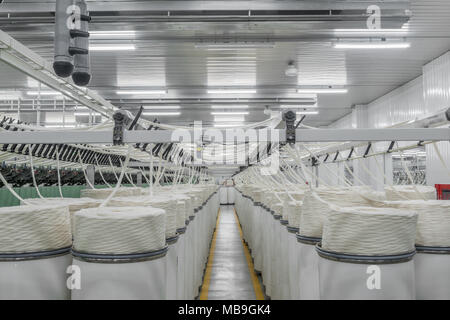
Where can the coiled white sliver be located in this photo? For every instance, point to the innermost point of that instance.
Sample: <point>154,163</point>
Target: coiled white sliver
<point>433,226</point>
<point>162,202</point>
<point>125,230</point>
<point>104,193</point>
<point>34,228</point>
<point>294,212</point>
<point>369,231</point>
<point>410,192</point>
<point>74,204</point>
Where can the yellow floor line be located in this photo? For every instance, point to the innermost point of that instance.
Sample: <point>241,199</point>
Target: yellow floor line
<point>256,285</point>
<point>209,265</point>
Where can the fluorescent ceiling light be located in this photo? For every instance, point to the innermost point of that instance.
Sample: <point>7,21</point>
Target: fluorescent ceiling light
<point>299,106</point>
<point>243,113</point>
<point>112,47</point>
<point>306,112</point>
<point>322,90</point>
<point>372,45</point>
<point>60,126</point>
<point>229,125</point>
<point>167,114</point>
<point>234,45</point>
<point>229,119</point>
<point>119,33</point>
<point>229,107</point>
<point>80,114</point>
<point>140,92</point>
<point>44,93</point>
<point>161,108</point>
<point>231,91</point>
<point>370,31</point>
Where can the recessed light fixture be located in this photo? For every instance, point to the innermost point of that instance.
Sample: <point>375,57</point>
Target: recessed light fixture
<point>306,112</point>
<point>372,45</point>
<point>141,92</point>
<point>237,106</point>
<point>118,33</point>
<point>231,91</point>
<point>112,47</point>
<point>298,106</point>
<point>166,114</point>
<point>243,113</point>
<point>370,31</point>
<point>229,119</point>
<point>44,93</point>
<point>234,45</point>
<point>161,108</point>
<point>228,125</point>
<point>80,114</point>
<point>323,90</point>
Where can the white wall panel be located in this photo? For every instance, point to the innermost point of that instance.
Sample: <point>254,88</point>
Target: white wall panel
<point>418,98</point>
<point>436,80</point>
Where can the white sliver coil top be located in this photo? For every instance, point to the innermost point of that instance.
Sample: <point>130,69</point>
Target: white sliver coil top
<point>104,193</point>
<point>34,228</point>
<point>168,204</point>
<point>294,212</point>
<point>311,216</point>
<point>369,231</point>
<point>433,226</point>
<point>405,192</point>
<point>74,204</point>
<point>124,230</point>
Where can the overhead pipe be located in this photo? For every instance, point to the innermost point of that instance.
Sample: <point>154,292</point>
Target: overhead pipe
<point>63,63</point>
<point>81,75</point>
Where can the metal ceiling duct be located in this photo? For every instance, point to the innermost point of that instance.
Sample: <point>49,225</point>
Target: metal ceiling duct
<point>63,63</point>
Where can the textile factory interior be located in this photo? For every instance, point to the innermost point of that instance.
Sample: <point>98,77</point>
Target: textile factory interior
<point>225,150</point>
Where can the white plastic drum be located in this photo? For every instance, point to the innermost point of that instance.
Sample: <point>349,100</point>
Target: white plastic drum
<point>144,280</point>
<point>308,273</point>
<point>432,273</point>
<point>230,194</point>
<point>383,278</point>
<point>223,195</point>
<point>181,264</point>
<point>41,279</point>
<point>294,284</point>
<point>172,268</point>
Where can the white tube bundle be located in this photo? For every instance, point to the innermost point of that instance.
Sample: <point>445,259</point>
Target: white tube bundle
<point>312,215</point>
<point>124,230</point>
<point>34,228</point>
<point>369,231</point>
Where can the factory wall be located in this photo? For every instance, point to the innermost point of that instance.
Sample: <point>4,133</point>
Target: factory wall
<point>418,98</point>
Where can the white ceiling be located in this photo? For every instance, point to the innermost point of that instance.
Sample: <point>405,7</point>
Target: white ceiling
<point>166,55</point>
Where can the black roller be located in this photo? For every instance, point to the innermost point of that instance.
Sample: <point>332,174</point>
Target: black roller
<point>63,69</point>
<point>81,78</point>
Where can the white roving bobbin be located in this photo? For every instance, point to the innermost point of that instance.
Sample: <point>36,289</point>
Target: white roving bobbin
<point>168,204</point>
<point>409,192</point>
<point>124,230</point>
<point>370,231</point>
<point>34,228</point>
<point>433,225</point>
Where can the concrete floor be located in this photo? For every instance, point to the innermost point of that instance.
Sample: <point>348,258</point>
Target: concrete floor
<point>230,277</point>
